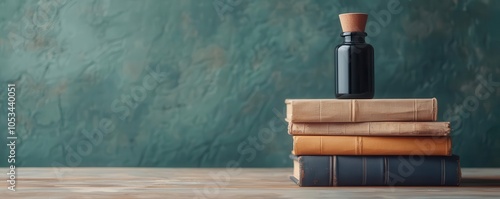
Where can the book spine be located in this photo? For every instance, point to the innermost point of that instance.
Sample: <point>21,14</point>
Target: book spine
<point>374,110</point>
<point>366,145</point>
<point>379,171</point>
<point>371,128</point>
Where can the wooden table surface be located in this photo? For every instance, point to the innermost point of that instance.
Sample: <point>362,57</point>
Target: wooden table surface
<point>200,183</point>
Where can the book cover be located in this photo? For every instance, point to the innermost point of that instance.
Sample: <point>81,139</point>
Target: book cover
<point>361,110</point>
<point>371,145</point>
<point>376,170</point>
<point>371,128</point>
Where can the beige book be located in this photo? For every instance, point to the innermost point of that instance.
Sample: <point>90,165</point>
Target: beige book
<point>361,110</point>
<point>371,128</point>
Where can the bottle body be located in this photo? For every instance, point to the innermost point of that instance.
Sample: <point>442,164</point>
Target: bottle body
<point>354,67</point>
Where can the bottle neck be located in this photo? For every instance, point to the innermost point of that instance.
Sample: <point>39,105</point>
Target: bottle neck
<point>354,37</point>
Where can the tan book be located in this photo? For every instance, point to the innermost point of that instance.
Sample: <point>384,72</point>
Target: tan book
<point>361,110</point>
<point>371,128</point>
<point>364,145</point>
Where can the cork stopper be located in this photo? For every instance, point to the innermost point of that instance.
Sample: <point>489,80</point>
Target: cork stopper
<point>353,22</point>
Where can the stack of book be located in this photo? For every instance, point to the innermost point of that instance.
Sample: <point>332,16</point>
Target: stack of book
<point>372,142</point>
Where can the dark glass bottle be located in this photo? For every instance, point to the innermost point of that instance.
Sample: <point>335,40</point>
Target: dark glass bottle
<point>354,67</point>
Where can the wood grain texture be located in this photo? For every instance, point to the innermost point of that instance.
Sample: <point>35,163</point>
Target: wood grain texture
<point>199,183</point>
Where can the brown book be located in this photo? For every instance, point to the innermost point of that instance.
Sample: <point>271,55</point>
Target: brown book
<point>364,145</point>
<point>361,110</point>
<point>371,128</point>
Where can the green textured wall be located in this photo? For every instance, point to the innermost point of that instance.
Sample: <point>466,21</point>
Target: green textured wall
<point>202,83</point>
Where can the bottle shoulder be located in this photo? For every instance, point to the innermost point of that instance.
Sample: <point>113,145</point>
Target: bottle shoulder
<point>348,46</point>
<point>355,44</point>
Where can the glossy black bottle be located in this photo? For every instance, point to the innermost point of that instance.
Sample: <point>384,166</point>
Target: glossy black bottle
<point>354,67</point>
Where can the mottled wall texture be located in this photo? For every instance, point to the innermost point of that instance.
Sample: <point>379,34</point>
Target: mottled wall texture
<point>202,83</point>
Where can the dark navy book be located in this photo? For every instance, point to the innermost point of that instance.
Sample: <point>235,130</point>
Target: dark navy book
<point>312,171</point>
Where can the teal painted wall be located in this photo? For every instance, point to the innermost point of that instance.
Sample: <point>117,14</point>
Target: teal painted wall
<point>184,83</point>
